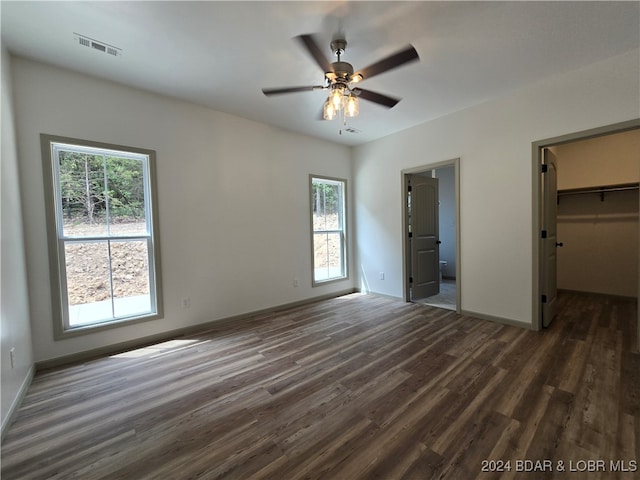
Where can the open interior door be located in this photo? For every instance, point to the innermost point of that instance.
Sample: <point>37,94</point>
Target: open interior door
<point>549,239</point>
<point>424,242</point>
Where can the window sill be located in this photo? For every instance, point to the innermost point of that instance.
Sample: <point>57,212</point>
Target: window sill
<point>87,329</point>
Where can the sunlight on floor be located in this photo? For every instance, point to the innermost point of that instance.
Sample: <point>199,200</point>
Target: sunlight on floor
<point>158,349</point>
<point>349,296</point>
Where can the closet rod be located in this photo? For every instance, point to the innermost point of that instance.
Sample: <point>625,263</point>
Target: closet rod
<point>600,190</point>
<point>603,189</point>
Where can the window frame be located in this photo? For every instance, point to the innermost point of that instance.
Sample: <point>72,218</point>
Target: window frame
<point>57,241</point>
<point>343,231</point>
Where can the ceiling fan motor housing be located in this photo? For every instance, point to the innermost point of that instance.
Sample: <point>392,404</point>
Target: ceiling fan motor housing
<point>342,70</point>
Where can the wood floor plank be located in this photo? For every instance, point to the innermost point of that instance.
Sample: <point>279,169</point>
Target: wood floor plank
<point>357,387</point>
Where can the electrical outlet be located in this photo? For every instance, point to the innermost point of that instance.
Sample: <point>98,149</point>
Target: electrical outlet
<point>12,355</point>
<point>295,282</point>
<point>185,302</point>
<point>381,275</point>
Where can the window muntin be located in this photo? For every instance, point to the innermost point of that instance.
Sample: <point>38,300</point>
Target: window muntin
<point>104,257</point>
<point>328,216</point>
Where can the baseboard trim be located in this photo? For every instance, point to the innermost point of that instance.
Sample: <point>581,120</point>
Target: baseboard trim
<point>382,295</point>
<point>491,318</point>
<point>172,334</point>
<point>17,402</point>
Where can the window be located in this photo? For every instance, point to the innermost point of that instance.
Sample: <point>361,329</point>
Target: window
<point>102,243</point>
<point>328,226</point>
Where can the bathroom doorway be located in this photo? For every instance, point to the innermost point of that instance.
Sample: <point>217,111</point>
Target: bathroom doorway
<point>446,276</point>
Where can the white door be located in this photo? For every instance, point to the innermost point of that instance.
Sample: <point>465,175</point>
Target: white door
<point>549,236</point>
<point>424,241</point>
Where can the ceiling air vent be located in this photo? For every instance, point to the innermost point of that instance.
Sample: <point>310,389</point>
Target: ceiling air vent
<point>352,130</point>
<point>97,45</point>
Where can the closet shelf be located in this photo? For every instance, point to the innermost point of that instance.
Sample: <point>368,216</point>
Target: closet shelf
<point>622,187</point>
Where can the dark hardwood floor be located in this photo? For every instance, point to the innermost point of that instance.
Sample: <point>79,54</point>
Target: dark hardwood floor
<point>357,387</point>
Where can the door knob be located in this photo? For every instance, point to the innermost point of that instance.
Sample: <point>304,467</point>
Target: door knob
<point>559,244</point>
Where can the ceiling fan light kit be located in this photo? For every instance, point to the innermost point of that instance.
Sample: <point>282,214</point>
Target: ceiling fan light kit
<point>340,77</point>
<point>341,99</point>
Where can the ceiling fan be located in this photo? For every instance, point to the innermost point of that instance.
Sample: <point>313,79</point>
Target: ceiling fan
<point>340,77</point>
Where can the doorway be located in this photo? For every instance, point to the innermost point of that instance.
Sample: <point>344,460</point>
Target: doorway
<point>547,277</point>
<point>431,266</point>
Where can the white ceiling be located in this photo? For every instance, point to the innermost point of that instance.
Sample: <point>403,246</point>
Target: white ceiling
<point>220,54</point>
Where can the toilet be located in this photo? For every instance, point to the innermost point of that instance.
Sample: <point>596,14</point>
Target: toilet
<point>443,264</point>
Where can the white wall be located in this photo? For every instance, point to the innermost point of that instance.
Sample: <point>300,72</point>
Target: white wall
<point>15,325</point>
<point>234,214</point>
<point>600,252</point>
<point>494,143</point>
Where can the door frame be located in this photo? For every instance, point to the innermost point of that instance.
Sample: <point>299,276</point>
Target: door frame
<point>537,203</point>
<point>406,266</point>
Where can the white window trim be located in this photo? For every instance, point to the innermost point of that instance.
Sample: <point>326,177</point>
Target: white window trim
<point>344,235</point>
<point>57,240</point>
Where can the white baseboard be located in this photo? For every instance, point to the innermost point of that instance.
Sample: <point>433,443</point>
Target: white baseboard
<point>17,401</point>
<point>491,318</point>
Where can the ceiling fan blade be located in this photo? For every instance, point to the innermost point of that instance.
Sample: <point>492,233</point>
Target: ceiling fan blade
<point>409,54</point>
<point>279,91</point>
<point>376,97</point>
<point>311,46</point>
